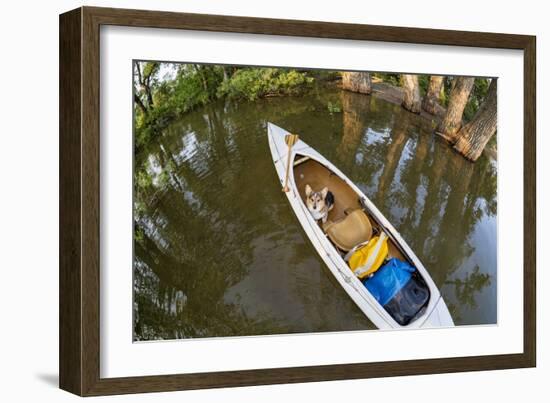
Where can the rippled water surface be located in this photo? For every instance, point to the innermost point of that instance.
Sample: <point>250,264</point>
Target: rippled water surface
<point>219,252</point>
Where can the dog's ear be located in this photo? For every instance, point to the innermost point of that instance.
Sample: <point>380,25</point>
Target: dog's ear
<point>324,192</point>
<point>308,190</point>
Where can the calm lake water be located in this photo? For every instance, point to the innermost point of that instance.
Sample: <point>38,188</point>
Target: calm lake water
<point>220,252</point>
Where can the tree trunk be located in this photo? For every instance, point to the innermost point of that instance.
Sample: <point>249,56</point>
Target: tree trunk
<point>473,137</point>
<point>452,121</point>
<point>225,73</point>
<point>144,84</point>
<point>431,100</point>
<point>411,98</point>
<point>149,96</point>
<point>139,103</point>
<point>357,82</point>
<point>355,112</point>
<point>200,72</point>
<point>399,137</point>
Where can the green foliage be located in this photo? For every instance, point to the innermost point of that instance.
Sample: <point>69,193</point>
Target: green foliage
<point>467,288</point>
<point>395,80</point>
<point>150,69</point>
<point>334,107</point>
<point>143,179</point>
<point>423,82</point>
<point>446,91</point>
<point>477,96</point>
<point>253,83</point>
<point>325,75</point>
<point>193,86</point>
<point>164,100</point>
<point>390,78</point>
<point>139,235</point>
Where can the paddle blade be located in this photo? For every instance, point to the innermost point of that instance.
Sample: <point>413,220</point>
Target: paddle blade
<point>291,139</point>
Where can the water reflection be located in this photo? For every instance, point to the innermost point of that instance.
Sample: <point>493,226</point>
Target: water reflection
<point>218,251</point>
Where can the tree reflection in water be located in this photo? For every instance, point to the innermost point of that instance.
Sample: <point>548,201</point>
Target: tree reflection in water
<point>218,251</point>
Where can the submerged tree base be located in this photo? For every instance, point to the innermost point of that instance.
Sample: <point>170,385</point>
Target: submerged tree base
<point>446,137</point>
<point>357,82</point>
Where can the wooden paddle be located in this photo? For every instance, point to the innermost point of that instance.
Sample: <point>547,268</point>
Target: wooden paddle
<point>290,140</point>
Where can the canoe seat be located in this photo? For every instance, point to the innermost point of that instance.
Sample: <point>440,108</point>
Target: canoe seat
<point>353,229</point>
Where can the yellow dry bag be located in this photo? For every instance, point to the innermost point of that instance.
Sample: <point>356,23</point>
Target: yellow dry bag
<point>370,257</point>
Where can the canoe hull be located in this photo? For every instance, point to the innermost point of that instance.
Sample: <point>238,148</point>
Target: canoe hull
<point>436,314</point>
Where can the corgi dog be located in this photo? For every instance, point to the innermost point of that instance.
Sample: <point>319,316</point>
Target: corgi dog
<point>319,203</point>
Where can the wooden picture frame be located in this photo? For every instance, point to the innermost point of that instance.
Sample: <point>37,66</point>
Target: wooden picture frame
<point>79,350</point>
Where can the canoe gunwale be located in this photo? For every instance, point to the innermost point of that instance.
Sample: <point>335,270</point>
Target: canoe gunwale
<point>351,284</point>
<point>351,279</point>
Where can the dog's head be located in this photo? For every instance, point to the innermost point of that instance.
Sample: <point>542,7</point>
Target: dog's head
<point>315,200</point>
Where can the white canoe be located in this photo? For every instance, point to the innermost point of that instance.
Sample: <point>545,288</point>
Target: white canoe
<point>306,163</point>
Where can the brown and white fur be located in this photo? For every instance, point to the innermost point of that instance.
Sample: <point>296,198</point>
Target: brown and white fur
<point>319,203</point>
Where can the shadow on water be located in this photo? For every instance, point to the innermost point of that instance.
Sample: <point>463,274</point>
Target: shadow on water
<point>218,251</point>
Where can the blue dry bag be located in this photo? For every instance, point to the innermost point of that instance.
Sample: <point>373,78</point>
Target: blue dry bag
<point>389,280</point>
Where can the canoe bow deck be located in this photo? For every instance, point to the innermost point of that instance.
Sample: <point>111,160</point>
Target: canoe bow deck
<point>308,166</point>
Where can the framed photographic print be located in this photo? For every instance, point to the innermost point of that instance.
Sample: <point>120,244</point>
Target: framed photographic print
<point>250,201</point>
